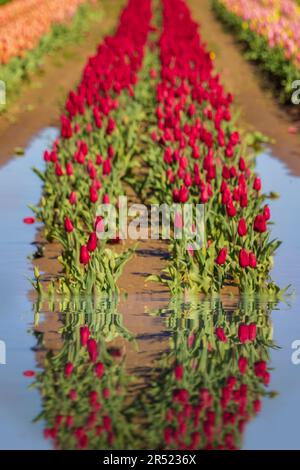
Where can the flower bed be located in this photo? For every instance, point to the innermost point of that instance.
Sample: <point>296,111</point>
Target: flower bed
<point>200,158</point>
<point>23,54</point>
<point>23,23</point>
<point>86,164</point>
<point>172,113</point>
<point>270,32</point>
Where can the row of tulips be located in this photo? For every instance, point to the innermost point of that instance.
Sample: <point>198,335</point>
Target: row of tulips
<point>200,395</point>
<point>85,166</point>
<point>24,22</point>
<point>61,31</point>
<point>200,157</point>
<point>270,32</point>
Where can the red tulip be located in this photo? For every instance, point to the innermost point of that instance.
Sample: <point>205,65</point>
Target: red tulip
<point>260,223</point>
<point>68,225</point>
<point>220,334</point>
<point>221,258</point>
<point>183,194</point>
<point>92,243</point>
<point>106,167</point>
<point>69,169</point>
<point>252,260</point>
<point>242,363</point>
<point>242,228</point>
<point>84,255</point>
<point>106,199</point>
<point>243,333</point>
<point>93,194</point>
<point>179,371</point>
<point>243,258</point>
<point>231,210</point>
<point>58,170</point>
<point>267,213</point>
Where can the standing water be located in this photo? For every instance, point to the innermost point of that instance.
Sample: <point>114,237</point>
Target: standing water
<point>261,412</point>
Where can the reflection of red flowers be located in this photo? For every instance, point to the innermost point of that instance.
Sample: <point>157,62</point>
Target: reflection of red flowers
<point>73,395</point>
<point>99,370</point>
<point>181,396</point>
<point>178,371</point>
<point>242,363</point>
<point>92,349</point>
<point>107,423</point>
<point>69,369</point>
<point>84,335</point>
<point>252,331</point>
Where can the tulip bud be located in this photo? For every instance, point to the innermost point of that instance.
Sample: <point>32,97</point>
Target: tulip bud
<point>242,228</point>
<point>68,225</point>
<point>243,333</point>
<point>92,243</point>
<point>84,335</point>
<point>84,255</point>
<point>221,258</point>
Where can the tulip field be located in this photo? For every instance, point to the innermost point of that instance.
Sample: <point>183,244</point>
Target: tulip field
<point>192,149</point>
<point>170,332</point>
<point>270,31</point>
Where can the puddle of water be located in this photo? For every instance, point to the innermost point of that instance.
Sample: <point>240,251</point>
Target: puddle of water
<point>274,427</point>
<point>18,187</point>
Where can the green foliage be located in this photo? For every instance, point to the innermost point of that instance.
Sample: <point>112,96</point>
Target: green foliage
<point>280,71</point>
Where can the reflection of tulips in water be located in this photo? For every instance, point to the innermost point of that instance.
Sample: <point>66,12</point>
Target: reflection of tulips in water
<point>201,392</point>
<point>213,378</point>
<point>84,386</point>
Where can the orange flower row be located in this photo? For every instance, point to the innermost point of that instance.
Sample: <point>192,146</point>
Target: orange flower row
<point>24,22</point>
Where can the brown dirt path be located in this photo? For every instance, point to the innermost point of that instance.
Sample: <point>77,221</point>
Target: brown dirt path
<point>36,106</point>
<point>258,109</point>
